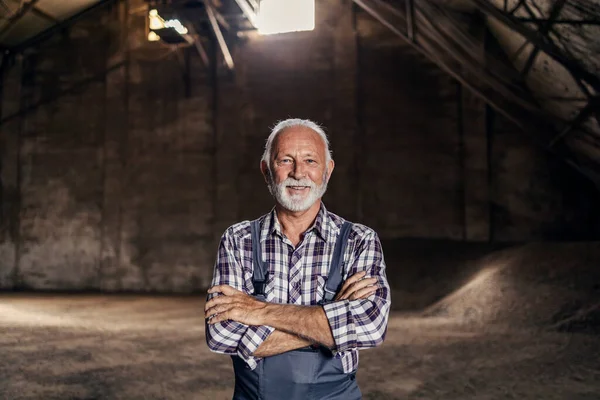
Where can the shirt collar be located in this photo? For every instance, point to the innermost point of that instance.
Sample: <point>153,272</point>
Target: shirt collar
<point>270,225</point>
<point>323,225</point>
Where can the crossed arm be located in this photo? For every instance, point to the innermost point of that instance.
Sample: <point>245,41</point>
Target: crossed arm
<point>295,326</point>
<point>239,324</point>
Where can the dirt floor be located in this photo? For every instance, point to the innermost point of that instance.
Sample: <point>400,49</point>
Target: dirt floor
<point>478,341</point>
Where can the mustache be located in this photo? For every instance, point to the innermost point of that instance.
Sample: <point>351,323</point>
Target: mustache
<point>298,182</point>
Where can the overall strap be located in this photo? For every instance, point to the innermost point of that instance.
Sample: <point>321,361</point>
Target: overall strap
<point>259,271</point>
<point>335,271</point>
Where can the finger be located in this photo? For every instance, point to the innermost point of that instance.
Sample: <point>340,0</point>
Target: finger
<point>355,278</point>
<point>218,318</point>
<point>352,279</point>
<point>215,289</point>
<point>357,286</point>
<point>218,300</point>
<point>218,309</point>
<point>225,289</point>
<point>348,282</point>
<point>362,284</point>
<point>364,293</point>
<point>232,314</point>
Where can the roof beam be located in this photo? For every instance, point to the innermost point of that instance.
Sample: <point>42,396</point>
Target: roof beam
<point>440,63</point>
<point>543,29</point>
<point>16,17</point>
<point>248,11</point>
<point>495,103</point>
<point>515,8</point>
<point>217,31</point>
<point>43,14</point>
<point>539,40</point>
<point>56,28</point>
<point>222,20</point>
<point>410,19</point>
<point>198,44</point>
<point>592,107</point>
<point>577,22</point>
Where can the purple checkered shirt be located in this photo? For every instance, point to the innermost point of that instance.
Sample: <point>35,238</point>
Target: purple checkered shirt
<point>298,276</point>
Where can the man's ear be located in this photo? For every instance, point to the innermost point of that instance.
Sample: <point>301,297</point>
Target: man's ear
<point>330,168</point>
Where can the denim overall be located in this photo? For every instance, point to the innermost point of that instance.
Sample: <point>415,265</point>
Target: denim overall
<point>304,374</point>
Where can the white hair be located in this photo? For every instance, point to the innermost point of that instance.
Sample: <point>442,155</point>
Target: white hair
<point>289,123</point>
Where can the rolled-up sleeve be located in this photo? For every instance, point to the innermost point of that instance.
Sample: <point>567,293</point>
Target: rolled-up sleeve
<point>360,324</point>
<point>230,337</point>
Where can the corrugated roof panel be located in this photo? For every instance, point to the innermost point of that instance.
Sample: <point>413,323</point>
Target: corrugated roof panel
<point>43,15</point>
<point>28,26</point>
<point>61,9</point>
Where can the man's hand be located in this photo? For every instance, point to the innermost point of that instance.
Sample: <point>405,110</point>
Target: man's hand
<point>243,308</point>
<point>356,287</point>
<point>234,305</point>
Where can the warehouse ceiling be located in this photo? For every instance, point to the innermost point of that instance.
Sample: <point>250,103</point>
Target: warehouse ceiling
<point>23,20</point>
<point>540,71</point>
<point>566,84</point>
<point>546,81</point>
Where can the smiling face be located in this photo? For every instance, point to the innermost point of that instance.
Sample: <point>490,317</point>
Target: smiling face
<point>299,169</point>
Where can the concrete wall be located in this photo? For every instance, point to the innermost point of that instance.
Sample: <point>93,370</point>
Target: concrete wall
<point>126,181</point>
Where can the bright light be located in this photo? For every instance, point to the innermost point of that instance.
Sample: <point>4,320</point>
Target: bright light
<point>177,25</point>
<point>277,16</point>
<point>156,22</point>
<point>153,37</point>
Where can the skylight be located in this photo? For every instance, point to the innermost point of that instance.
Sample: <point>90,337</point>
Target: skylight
<point>277,16</point>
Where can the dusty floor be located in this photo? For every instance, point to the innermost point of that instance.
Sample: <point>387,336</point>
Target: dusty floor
<point>135,347</point>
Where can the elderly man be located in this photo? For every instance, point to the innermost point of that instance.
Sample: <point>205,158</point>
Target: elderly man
<point>297,292</point>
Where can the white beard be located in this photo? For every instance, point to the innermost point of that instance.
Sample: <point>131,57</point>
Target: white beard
<point>297,203</point>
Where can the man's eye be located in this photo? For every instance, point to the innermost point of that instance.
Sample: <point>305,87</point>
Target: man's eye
<point>285,161</point>
<point>310,161</point>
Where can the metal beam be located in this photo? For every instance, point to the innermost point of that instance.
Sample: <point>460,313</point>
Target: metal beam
<point>515,8</point>
<point>43,14</point>
<point>543,29</point>
<point>448,42</point>
<point>60,26</point>
<point>540,41</point>
<point>248,11</point>
<point>578,80</point>
<point>540,21</point>
<point>518,52</point>
<point>198,44</point>
<point>219,35</point>
<point>220,17</point>
<point>222,20</point>
<point>440,63</point>
<point>476,91</point>
<point>16,17</point>
<point>410,19</point>
<point>592,106</point>
<point>392,9</point>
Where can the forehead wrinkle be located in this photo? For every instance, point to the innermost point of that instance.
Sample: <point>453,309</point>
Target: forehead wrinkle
<point>301,153</point>
<point>293,150</point>
<point>307,145</point>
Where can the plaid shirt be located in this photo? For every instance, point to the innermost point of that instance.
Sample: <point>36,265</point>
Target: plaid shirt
<point>298,276</point>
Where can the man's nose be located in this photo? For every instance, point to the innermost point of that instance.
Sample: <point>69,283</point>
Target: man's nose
<point>298,172</point>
